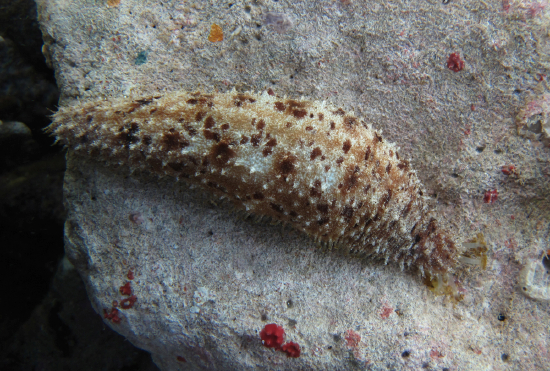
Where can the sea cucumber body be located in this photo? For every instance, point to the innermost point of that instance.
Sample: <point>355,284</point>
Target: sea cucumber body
<point>318,168</point>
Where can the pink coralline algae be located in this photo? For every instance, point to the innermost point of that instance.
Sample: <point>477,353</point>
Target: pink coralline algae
<point>455,63</point>
<point>128,302</point>
<point>112,315</point>
<point>352,338</point>
<point>126,289</point>
<point>273,336</point>
<point>291,349</point>
<point>490,196</point>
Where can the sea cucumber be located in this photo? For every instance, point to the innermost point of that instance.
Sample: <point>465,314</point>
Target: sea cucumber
<point>324,171</point>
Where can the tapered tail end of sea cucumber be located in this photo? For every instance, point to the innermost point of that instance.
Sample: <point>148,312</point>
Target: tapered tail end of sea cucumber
<point>473,254</point>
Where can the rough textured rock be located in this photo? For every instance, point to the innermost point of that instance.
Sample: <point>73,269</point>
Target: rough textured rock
<point>206,282</point>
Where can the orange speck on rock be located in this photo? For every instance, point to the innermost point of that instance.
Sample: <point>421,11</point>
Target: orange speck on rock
<point>216,33</point>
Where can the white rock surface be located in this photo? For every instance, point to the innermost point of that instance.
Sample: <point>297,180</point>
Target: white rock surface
<point>207,281</point>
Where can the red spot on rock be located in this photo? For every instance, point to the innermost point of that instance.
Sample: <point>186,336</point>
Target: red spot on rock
<point>454,62</point>
<point>352,338</point>
<point>181,359</point>
<point>291,349</point>
<point>112,315</point>
<point>128,302</point>
<point>130,275</point>
<point>126,289</point>
<point>509,170</point>
<point>490,196</point>
<point>386,311</point>
<point>272,336</point>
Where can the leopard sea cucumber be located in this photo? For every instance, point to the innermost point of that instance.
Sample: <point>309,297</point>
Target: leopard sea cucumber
<point>305,163</point>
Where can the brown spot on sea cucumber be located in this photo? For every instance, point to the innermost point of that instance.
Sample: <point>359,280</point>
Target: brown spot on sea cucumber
<point>146,140</point>
<point>323,208</point>
<point>347,212</point>
<point>287,165</point>
<point>299,113</point>
<point>221,153</point>
<point>315,191</point>
<point>209,122</point>
<point>276,207</point>
<point>295,104</point>
<point>173,140</point>
<point>255,139</point>
<point>126,136</point>
<point>280,106</point>
<point>199,116</point>
<point>316,153</point>
<point>347,146</point>
<point>240,98</point>
<point>367,153</point>
<point>351,178</point>
<point>210,135</point>
<point>190,130</point>
<point>258,196</point>
<point>403,165</point>
<point>350,121</point>
<point>260,125</point>
<point>386,199</point>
